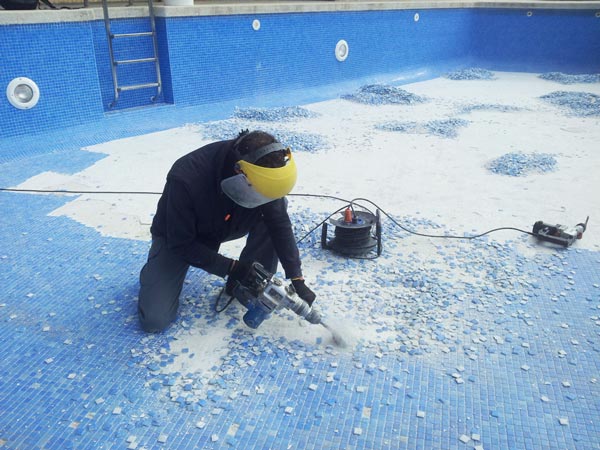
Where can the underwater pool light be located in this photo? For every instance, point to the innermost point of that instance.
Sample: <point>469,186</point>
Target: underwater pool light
<point>22,93</point>
<point>341,50</point>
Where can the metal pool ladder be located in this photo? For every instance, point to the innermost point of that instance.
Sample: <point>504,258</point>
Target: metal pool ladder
<point>115,63</point>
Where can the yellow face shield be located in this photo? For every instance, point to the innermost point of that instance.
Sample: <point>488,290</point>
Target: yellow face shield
<point>273,183</point>
<point>257,185</point>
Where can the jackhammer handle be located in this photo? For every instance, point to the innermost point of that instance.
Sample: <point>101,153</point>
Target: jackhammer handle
<point>584,225</point>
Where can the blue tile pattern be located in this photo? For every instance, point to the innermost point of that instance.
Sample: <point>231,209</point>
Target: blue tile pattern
<point>59,57</point>
<point>529,47</point>
<point>293,51</point>
<point>207,60</point>
<point>508,359</point>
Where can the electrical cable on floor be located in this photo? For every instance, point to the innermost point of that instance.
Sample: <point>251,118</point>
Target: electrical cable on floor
<point>348,203</point>
<point>66,191</point>
<point>441,236</point>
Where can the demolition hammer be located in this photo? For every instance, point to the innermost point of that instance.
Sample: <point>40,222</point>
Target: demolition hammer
<point>262,293</point>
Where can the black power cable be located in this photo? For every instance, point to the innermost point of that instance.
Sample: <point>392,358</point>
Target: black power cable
<point>348,204</point>
<point>217,307</point>
<point>66,191</point>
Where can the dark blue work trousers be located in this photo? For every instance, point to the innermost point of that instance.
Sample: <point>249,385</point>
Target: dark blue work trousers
<point>162,277</point>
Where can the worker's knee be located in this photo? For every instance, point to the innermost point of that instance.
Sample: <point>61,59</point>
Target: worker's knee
<point>154,321</point>
<point>161,281</point>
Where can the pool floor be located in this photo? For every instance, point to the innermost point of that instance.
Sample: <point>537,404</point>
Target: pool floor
<point>489,343</point>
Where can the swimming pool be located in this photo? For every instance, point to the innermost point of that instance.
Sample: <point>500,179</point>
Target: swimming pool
<point>213,56</point>
<point>492,343</point>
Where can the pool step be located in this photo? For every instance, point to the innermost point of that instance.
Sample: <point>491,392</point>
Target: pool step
<point>133,87</point>
<point>127,35</point>
<point>115,63</point>
<point>134,61</point>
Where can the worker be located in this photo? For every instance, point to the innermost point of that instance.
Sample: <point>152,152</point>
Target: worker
<point>220,192</point>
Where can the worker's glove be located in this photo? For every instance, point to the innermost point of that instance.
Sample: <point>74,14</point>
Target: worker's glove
<point>303,291</point>
<point>238,273</point>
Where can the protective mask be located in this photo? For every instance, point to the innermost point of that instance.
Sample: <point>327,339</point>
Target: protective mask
<point>256,185</point>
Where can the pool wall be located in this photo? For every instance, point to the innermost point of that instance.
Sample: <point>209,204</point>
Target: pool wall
<point>206,59</point>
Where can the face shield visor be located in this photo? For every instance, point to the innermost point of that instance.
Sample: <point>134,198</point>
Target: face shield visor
<point>257,185</point>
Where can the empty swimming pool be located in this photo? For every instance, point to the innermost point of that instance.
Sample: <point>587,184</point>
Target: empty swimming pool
<point>451,121</point>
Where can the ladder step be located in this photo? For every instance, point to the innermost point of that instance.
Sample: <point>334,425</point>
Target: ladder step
<point>126,35</point>
<point>137,86</point>
<point>134,61</point>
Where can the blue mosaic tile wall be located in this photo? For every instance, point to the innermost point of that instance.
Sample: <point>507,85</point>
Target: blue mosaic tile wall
<point>221,58</point>
<point>60,58</point>
<point>216,58</point>
<point>537,40</point>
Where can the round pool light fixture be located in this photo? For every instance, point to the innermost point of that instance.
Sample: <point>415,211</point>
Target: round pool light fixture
<point>22,93</point>
<point>529,13</point>
<point>417,17</point>
<point>256,24</point>
<point>341,50</point>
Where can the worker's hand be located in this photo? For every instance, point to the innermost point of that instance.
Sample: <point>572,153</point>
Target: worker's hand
<point>303,291</point>
<point>239,269</point>
<point>238,272</point>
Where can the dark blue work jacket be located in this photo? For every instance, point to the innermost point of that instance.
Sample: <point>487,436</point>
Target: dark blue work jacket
<point>195,216</point>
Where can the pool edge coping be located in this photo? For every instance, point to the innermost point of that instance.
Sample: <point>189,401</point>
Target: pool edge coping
<point>227,9</point>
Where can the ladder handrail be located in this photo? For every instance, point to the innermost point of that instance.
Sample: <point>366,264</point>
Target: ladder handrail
<point>155,45</point>
<point>110,53</point>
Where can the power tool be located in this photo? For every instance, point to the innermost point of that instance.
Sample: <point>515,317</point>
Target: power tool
<point>559,234</point>
<point>262,293</point>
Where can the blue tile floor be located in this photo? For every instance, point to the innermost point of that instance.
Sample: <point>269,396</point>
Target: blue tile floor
<point>506,358</point>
